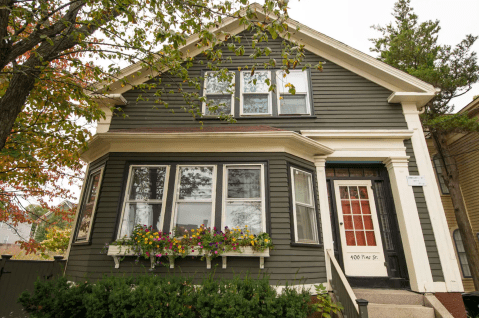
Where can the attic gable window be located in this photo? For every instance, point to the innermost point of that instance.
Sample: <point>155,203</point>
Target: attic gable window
<point>293,104</point>
<point>219,93</point>
<point>255,98</point>
<point>145,197</point>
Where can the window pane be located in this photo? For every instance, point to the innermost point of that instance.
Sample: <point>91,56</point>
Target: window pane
<point>214,85</point>
<point>244,183</point>
<point>255,104</point>
<point>140,213</point>
<point>195,183</point>
<point>298,79</point>
<point>239,214</point>
<point>302,187</point>
<point>260,87</point>
<point>306,224</point>
<point>87,209</point>
<point>225,107</point>
<point>293,104</point>
<point>147,183</point>
<point>191,215</point>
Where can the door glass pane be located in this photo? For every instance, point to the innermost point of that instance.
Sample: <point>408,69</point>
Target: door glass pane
<point>302,186</point>
<point>360,238</point>
<point>363,193</point>
<point>368,222</point>
<point>344,192</point>
<point>223,102</point>
<point>365,207</point>
<point>370,238</point>
<point>306,224</point>
<point>147,183</point>
<point>249,85</point>
<point>195,183</point>
<point>348,222</point>
<point>350,239</point>
<point>255,104</point>
<point>353,193</point>
<point>244,183</point>
<point>355,206</point>
<point>345,205</point>
<point>239,214</point>
<point>358,222</point>
<point>191,215</point>
<point>293,104</point>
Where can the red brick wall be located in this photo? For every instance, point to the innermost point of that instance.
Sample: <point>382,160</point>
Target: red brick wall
<point>453,302</point>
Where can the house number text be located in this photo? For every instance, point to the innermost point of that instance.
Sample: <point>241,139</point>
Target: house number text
<point>361,257</point>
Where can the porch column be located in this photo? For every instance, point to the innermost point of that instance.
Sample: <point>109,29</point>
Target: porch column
<point>442,236</point>
<point>326,228</point>
<point>409,225</point>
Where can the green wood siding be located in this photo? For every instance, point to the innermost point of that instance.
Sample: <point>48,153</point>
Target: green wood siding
<point>341,98</point>
<point>425,219</point>
<point>287,263</point>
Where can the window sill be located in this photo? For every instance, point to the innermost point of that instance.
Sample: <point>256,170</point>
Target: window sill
<point>306,245</point>
<point>81,243</point>
<point>116,252</point>
<point>259,117</point>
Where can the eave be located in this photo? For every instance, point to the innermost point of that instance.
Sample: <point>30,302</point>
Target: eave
<point>263,141</point>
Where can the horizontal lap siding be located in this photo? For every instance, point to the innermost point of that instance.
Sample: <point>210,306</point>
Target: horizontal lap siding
<point>425,219</point>
<point>286,263</point>
<point>341,98</point>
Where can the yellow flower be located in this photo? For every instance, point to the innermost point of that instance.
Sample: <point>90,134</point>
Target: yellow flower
<point>192,230</point>
<point>246,226</point>
<point>266,241</point>
<point>157,246</point>
<point>151,242</point>
<point>251,237</point>
<point>194,236</point>
<point>184,236</point>
<point>252,242</point>
<point>234,239</point>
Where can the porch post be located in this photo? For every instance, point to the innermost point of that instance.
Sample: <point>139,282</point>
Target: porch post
<point>326,229</point>
<point>442,236</point>
<point>409,225</point>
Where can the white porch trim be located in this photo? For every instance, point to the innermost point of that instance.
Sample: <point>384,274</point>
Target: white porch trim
<point>447,256</point>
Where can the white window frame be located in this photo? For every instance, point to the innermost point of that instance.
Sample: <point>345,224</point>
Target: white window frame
<point>279,74</point>
<point>225,192</point>
<point>312,206</point>
<point>269,94</point>
<point>178,200</point>
<point>127,200</point>
<point>83,202</point>
<point>203,106</point>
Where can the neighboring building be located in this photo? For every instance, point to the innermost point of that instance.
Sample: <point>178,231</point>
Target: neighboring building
<point>9,235</point>
<point>465,149</point>
<point>323,170</point>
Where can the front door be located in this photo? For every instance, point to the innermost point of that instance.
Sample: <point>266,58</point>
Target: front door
<point>359,230</point>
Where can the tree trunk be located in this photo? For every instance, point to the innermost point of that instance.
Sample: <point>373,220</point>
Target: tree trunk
<point>462,219</point>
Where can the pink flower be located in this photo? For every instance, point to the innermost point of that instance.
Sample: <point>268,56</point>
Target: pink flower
<point>199,243</point>
<point>234,248</point>
<point>216,252</point>
<point>192,251</point>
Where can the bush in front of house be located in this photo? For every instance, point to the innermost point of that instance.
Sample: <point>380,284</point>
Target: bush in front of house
<point>165,296</point>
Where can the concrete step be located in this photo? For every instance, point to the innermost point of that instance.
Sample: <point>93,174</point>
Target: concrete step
<point>389,296</point>
<point>399,311</point>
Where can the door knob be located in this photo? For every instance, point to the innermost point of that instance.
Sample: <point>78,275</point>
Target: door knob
<point>340,223</point>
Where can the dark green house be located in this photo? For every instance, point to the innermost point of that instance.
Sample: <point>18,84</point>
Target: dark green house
<point>338,175</point>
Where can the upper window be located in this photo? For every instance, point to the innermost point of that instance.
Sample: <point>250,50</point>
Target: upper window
<point>87,211</point>
<point>219,93</point>
<point>440,175</point>
<point>194,198</point>
<point>145,198</point>
<point>304,208</point>
<point>255,96</point>
<point>244,203</point>
<point>293,104</point>
<point>461,253</point>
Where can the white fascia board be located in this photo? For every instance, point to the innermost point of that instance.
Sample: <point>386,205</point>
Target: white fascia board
<point>333,50</point>
<point>358,134</point>
<point>420,99</point>
<point>268,141</point>
<point>110,99</point>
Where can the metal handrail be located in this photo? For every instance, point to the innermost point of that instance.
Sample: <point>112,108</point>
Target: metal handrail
<point>353,307</point>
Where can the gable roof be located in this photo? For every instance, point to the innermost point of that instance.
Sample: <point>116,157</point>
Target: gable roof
<point>409,87</point>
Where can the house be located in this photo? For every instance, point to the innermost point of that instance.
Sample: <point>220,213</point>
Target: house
<point>339,175</point>
<point>464,148</point>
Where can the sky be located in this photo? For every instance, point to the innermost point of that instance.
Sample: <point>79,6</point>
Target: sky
<point>349,21</point>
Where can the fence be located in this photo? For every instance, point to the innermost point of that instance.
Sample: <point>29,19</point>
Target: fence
<point>17,276</point>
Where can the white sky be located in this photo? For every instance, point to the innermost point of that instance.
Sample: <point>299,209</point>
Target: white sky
<point>349,21</point>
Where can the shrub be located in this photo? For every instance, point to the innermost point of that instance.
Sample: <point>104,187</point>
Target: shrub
<point>165,296</point>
